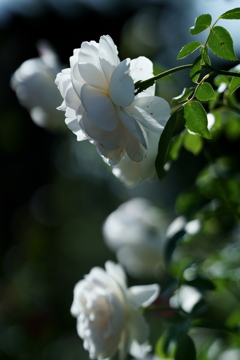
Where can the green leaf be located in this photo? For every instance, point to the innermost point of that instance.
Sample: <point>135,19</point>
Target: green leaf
<point>196,119</point>
<point>213,103</point>
<point>185,348</point>
<point>164,143</point>
<point>196,69</point>
<point>183,96</point>
<point>188,49</point>
<point>202,23</point>
<point>221,43</point>
<point>193,143</point>
<point>234,84</point>
<point>233,14</point>
<point>175,147</point>
<point>205,92</point>
<point>166,346</point>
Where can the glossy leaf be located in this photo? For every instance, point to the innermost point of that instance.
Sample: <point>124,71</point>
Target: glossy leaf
<point>205,92</point>
<point>164,143</point>
<point>196,69</point>
<point>188,49</point>
<point>202,23</point>
<point>196,119</point>
<point>234,84</point>
<point>221,43</point>
<point>193,143</point>
<point>231,14</point>
<point>175,147</point>
<point>185,348</point>
<point>183,96</point>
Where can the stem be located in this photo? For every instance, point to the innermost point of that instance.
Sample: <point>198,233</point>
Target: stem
<point>196,89</point>
<point>142,85</point>
<point>160,308</point>
<point>146,83</point>
<point>220,72</point>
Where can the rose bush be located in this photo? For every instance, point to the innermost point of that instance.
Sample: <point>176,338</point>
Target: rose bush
<point>34,85</point>
<point>107,312</point>
<point>100,104</point>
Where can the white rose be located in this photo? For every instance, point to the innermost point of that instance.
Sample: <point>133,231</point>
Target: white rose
<point>135,231</point>
<point>100,105</point>
<point>130,172</point>
<point>107,312</point>
<point>34,85</point>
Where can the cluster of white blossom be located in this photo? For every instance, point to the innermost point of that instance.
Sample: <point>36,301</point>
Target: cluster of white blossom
<point>101,106</point>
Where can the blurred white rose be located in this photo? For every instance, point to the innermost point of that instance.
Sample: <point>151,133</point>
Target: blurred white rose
<point>132,172</point>
<point>100,105</point>
<point>107,312</point>
<point>135,231</point>
<point>34,85</point>
<point>186,297</point>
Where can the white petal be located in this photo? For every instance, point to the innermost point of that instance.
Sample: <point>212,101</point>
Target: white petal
<point>134,149</point>
<point>121,89</point>
<point>111,157</point>
<point>116,272</point>
<point>99,108</point>
<point>73,124</point>
<point>151,111</point>
<point>90,68</point>
<point>109,140</point>
<point>108,56</point>
<point>137,326</point>
<point>63,106</point>
<point>141,68</point>
<point>124,345</point>
<point>77,80</point>
<point>132,125</point>
<point>76,129</point>
<point>62,80</point>
<point>145,295</point>
<point>71,98</point>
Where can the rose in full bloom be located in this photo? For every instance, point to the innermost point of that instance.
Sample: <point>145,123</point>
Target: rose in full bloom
<point>107,312</point>
<point>135,231</point>
<point>34,85</point>
<point>100,104</point>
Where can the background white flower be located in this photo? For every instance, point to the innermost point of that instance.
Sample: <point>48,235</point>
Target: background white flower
<point>107,312</point>
<point>34,85</point>
<point>186,297</point>
<point>135,231</point>
<point>100,105</point>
